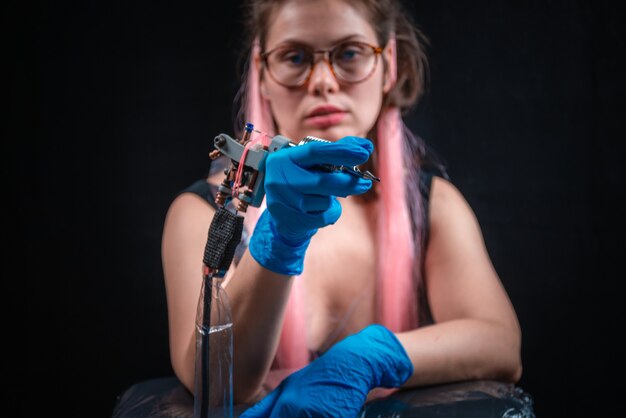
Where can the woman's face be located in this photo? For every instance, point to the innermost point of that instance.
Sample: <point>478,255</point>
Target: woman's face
<point>324,107</point>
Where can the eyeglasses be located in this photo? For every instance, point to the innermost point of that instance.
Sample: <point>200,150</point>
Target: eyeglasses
<point>350,62</point>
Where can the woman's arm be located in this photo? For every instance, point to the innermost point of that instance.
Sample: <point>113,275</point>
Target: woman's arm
<point>299,202</point>
<point>258,299</point>
<point>476,334</point>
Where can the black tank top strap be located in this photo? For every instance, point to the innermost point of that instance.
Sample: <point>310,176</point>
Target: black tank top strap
<point>203,189</point>
<point>426,175</point>
<point>426,179</point>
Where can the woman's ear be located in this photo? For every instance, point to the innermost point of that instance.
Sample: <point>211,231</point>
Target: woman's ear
<point>262,86</point>
<point>263,90</point>
<point>390,56</point>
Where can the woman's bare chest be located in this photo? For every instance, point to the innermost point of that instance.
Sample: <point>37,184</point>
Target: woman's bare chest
<point>339,279</point>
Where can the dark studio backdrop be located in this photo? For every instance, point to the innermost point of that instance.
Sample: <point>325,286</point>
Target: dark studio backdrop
<point>112,107</point>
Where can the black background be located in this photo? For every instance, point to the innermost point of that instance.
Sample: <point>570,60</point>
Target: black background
<point>111,109</point>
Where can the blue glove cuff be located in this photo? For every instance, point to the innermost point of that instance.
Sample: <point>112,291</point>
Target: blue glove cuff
<point>392,362</point>
<point>274,253</point>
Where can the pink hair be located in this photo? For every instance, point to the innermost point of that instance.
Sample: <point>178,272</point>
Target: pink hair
<point>396,305</point>
<point>397,296</point>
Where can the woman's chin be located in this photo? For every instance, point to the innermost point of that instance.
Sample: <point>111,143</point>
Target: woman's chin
<point>333,133</point>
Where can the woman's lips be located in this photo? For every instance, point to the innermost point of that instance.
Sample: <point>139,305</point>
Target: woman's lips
<point>325,116</point>
<point>326,120</point>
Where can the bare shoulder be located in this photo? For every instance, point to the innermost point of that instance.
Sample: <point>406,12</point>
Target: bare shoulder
<point>183,240</point>
<point>453,223</point>
<point>187,212</point>
<point>189,204</point>
<point>447,203</point>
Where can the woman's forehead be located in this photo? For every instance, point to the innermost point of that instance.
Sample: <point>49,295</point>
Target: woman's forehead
<point>319,23</point>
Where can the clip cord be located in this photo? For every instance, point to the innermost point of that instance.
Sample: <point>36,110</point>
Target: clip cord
<point>223,237</point>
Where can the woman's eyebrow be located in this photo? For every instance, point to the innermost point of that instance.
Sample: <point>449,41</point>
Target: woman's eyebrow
<point>300,42</point>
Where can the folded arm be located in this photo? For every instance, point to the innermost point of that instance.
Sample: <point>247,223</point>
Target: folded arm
<point>476,334</point>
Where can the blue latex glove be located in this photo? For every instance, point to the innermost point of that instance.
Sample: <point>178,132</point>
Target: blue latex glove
<point>300,199</point>
<point>337,383</point>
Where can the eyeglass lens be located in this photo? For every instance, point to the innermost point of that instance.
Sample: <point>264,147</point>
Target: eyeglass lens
<point>351,62</point>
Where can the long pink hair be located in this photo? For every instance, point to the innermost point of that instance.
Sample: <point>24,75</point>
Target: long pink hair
<point>396,300</point>
<point>396,297</point>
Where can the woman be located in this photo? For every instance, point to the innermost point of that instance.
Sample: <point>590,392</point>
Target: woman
<point>350,285</point>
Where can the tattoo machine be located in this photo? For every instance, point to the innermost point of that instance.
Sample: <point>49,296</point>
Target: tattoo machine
<point>244,176</point>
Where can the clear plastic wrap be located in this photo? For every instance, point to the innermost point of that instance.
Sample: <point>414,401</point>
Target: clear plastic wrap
<point>472,399</point>
<point>214,352</point>
<point>168,398</point>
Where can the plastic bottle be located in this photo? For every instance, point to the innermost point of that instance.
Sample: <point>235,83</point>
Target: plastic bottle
<point>213,391</point>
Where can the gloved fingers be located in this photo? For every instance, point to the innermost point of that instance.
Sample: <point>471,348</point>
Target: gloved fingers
<point>263,408</point>
<point>327,217</point>
<point>357,140</point>
<point>337,184</point>
<point>311,203</point>
<point>350,151</point>
<point>293,219</point>
<point>316,182</point>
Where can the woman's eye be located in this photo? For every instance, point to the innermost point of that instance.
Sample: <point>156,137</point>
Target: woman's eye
<point>349,53</point>
<point>295,57</point>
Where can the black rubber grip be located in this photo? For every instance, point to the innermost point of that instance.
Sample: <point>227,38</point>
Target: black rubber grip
<point>224,236</point>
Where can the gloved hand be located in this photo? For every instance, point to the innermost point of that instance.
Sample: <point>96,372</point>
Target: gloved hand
<point>300,199</point>
<point>337,383</point>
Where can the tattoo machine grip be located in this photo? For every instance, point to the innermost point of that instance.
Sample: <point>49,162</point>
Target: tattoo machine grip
<point>224,235</point>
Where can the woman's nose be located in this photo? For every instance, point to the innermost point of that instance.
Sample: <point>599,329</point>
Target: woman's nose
<point>323,80</point>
